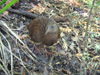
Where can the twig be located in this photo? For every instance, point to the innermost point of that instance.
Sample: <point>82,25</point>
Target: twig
<point>31,15</point>
<point>86,33</point>
<point>22,12</point>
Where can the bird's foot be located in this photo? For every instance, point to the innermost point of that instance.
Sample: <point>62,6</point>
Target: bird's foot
<point>47,53</point>
<point>36,48</point>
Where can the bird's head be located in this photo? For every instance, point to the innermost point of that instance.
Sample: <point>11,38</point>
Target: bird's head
<point>51,29</point>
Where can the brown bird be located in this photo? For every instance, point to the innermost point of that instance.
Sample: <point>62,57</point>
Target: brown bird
<point>44,30</point>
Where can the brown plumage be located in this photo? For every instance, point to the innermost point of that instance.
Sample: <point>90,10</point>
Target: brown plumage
<point>44,30</point>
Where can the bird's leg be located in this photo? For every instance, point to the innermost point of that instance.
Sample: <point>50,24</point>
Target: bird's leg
<point>36,48</point>
<point>46,52</point>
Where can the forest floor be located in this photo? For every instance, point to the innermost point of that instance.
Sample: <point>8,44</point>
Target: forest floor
<point>72,55</point>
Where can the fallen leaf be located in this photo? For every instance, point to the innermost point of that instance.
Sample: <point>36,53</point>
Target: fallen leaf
<point>23,36</point>
<point>73,2</point>
<point>65,29</point>
<point>78,54</point>
<point>5,13</point>
<point>37,8</point>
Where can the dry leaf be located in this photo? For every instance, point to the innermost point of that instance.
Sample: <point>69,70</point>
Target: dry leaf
<point>73,2</point>
<point>37,8</point>
<point>5,13</point>
<point>19,36</point>
<point>74,17</point>
<point>75,38</point>
<point>78,55</point>
<point>72,46</point>
<point>96,58</point>
<point>64,46</point>
<point>8,1</point>
<point>65,29</point>
<point>23,36</point>
<point>58,63</point>
<point>84,23</point>
<point>26,59</point>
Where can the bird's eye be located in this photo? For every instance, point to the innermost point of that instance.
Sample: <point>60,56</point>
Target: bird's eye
<point>51,26</point>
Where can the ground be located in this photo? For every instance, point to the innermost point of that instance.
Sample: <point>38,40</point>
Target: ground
<point>70,56</point>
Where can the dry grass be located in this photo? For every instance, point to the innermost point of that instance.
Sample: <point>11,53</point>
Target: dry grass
<point>7,54</point>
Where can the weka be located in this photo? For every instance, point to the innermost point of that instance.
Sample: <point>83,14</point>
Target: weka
<point>44,30</point>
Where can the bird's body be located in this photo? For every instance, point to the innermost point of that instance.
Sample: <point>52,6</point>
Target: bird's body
<point>44,30</point>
